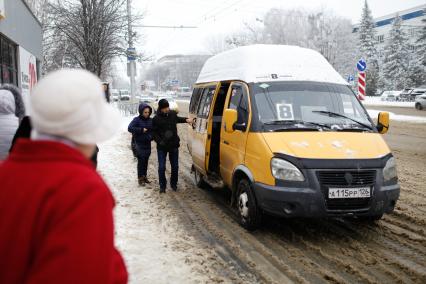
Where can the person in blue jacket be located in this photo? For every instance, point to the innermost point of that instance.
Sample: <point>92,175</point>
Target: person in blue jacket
<point>141,128</point>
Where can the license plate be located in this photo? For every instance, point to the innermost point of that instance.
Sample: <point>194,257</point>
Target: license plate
<point>362,192</point>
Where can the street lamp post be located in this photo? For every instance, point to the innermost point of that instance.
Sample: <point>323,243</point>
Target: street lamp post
<point>131,53</point>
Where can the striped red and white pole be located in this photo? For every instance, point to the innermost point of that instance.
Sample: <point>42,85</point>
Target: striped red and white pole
<point>361,85</point>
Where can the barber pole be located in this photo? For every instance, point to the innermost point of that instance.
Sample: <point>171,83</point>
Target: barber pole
<point>361,85</point>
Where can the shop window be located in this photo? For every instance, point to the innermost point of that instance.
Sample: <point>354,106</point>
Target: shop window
<point>8,62</point>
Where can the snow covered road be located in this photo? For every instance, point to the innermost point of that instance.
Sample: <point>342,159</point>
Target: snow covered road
<point>192,236</point>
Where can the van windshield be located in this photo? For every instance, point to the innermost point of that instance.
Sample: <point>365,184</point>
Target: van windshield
<point>317,106</point>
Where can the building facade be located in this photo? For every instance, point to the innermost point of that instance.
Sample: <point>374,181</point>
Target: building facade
<point>20,45</point>
<point>183,69</point>
<point>411,23</point>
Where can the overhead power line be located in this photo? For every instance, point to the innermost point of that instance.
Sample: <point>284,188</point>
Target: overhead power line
<point>165,27</point>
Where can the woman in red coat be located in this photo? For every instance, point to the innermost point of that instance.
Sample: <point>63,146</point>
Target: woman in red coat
<point>56,222</point>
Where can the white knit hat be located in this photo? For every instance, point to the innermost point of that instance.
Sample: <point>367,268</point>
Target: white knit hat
<point>70,103</point>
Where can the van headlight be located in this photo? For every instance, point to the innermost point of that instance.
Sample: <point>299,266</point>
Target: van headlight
<point>389,171</point>
<point>284,170</point>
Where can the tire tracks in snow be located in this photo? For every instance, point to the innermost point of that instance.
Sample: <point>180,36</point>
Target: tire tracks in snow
<point>320,251</point>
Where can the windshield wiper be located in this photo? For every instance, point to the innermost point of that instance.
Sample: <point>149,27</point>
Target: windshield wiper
<point>292,122</point>
<point>335,114</point>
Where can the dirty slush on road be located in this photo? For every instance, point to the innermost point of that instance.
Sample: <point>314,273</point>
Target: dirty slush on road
<point>201,241</point>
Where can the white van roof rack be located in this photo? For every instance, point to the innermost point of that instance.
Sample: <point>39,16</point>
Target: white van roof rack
<point>266,63</point>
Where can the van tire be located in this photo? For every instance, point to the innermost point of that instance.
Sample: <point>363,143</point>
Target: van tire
<point>419,106</point>
<point>250,216</point>
<point>198,179</point>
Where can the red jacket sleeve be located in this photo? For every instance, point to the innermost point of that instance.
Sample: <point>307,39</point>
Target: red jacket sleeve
<point>77,241</point>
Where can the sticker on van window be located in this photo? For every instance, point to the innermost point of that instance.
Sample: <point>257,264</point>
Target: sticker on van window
<point>285,111</point>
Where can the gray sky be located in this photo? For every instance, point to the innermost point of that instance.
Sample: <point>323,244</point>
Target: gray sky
<point>225,16</point>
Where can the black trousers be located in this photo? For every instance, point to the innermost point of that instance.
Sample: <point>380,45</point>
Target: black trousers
<point>174,163</point>
<point>143,159</point>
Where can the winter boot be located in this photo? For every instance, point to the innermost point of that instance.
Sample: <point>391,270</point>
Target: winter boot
<point>147,181</point>
<point>141,181</point>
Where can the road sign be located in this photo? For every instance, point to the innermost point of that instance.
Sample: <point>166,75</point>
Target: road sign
<point>350,78</point>
<point>131,54</point>
<point>361,65</point>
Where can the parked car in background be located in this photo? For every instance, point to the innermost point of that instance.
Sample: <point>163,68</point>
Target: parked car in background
<point>417,92</point>
<point>171,93</point>
<point>420,102</point>
<point>172,103</point>
<point>124,95</point>
<point>391,96</point>
<point>184,92</point>
<point>378,93</point>
<point>405,94</point>
<point>115,95</point>
<point>146,99</point>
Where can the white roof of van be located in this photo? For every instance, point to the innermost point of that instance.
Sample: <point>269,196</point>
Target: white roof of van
<point>265,63</point>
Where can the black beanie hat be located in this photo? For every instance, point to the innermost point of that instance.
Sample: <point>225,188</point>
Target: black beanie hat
<point>163,103</point>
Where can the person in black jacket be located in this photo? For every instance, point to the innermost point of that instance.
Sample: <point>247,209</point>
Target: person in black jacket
<point>107,93</point>
<point>23,131</point>
<point>141,128</point>
<point>165,135</point>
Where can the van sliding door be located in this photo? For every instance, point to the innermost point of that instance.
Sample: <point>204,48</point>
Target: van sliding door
<point>199,154</point>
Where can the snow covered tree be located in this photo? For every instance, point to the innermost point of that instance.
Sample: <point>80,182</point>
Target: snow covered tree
<point>417,68</point>
<point>38,7</point>
<point>368,49</point>
<point>88,34</point>
<point>397,58</point>
<point>320,30</point>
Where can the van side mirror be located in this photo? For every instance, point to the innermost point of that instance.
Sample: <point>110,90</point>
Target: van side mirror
<point>383,122</point>
<point>230,117</point>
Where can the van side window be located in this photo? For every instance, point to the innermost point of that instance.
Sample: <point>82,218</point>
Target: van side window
<point>205,102</point>
<point>239,102</point>
<point>195,100</point>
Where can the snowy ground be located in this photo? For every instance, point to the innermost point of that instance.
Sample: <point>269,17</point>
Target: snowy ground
<point>192,236</point>
<point>155,247</point>
<point>375,105</point>
<point>376,101</point>
<point>397,117</point>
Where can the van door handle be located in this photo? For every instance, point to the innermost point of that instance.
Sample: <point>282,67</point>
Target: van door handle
<point>225,142</point>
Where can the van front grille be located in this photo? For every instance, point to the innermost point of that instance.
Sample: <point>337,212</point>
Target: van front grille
<point>348,179</point>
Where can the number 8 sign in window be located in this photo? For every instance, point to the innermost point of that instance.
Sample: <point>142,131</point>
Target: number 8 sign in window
<point>285,111</point>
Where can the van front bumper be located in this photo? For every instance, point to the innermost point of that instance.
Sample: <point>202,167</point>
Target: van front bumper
<point>311,201</point>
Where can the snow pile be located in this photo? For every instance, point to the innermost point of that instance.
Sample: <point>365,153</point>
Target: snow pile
<point>407,118</point>
<point>376,101</point>
<point>264,63</point>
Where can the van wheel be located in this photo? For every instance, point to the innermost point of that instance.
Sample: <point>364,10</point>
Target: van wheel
<point>419,106</point>
<point>198,179</point>
<point>249,214</point>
